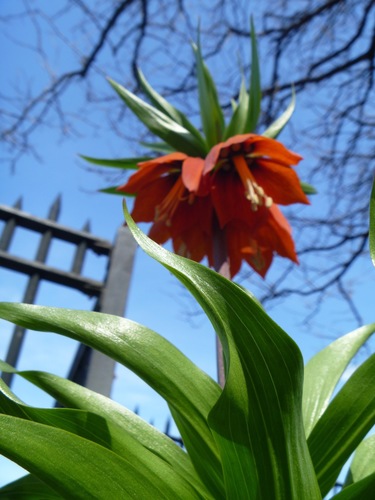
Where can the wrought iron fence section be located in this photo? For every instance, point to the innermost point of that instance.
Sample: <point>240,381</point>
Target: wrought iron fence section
<point>90,368</point>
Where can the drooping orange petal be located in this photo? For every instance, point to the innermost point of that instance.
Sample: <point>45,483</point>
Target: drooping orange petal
<point>280,183</point>
<point>146,174</point>
<point>193,244</point>
<point>169,158</point>
<point>159,232</point>
<point>211,159</point>
<point>277,235</point>
<point>214,154</point>
<point>195,215</point>
<point>238,241</point>
<point>150,170</point>
<point>260,261</point>
<point>150,196</point>
<point>166,209</point>
<point>242,246</point>
<point>229,200</point>
<point>251,144</point>
<point>192,169</point>
<point>274,149</point>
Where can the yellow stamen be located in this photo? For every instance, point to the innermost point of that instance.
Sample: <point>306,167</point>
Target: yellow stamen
<point>253,192</point>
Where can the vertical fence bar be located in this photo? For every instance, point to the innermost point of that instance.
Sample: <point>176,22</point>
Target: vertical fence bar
<point>9,228</point>
<point>92,368</point>
<point>79,367</point>
<point>30,293</point>
<point>80,252</point>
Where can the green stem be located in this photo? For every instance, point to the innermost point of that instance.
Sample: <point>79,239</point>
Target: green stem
<point>221,265</point>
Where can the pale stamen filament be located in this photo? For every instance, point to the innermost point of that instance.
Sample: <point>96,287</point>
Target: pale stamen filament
<point>166,209</point>
<point>253,192</point>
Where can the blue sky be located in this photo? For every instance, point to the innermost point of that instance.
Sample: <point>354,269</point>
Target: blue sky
<point>156,299</point>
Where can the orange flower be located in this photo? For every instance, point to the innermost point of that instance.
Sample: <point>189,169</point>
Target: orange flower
<point>224,207</point>
<point>169,193</point>
<point>250,174</point>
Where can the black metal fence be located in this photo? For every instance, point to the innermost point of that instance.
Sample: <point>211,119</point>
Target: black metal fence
<point>89,368</point>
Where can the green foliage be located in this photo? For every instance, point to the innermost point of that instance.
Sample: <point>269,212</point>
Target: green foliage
<point>277,126</point>
<point>247,440</point>
<point>211,113</point>
<point>363,463</point>
<point>160,124</point>
<point>124,163</point>
<point>255,93</point>
<point>176,131</point>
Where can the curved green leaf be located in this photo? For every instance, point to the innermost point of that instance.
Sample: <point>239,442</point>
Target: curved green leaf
<point>159,147</point>
<point>363,463</point>
<point>161,124</point>
<point>363,490</point>
<point>210,109</point>
<point>152,358</point>
<point>324,370</point>
<point>237,124</point>
<point>78,468</point>
<point>122,422</point>
<point>107,433</point>
<point>277,126</point>
<point>255,92</point>
<point>28,487</point>
<point>163,105</point>
<point>307,188</point>
<point>257,421</point>
<point>346,421</point>
<point>124,163</point>
<point>114,190</point>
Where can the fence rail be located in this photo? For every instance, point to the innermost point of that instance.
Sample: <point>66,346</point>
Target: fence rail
<point>89,368</point>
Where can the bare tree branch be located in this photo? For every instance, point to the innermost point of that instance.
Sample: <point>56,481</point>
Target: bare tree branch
<point>325,48</point>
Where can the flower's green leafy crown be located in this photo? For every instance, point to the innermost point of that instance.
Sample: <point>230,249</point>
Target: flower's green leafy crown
<point>176,131</point>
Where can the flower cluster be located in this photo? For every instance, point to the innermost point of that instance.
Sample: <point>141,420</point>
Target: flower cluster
<point>234,191</point>
<point>216,193</point>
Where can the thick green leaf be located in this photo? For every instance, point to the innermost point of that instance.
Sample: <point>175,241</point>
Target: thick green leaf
<point>257,421</point>
<point>346,421</point>
<point>159,147</point>
<point>124,163</point>
<point>113,190</point>
<point>28,487</point>
<point>307,188</point>
<point>210,109</point>
<point>122,421</point>
<point>165,107</point>
<point>237,124</point>
<point>363,463</point>
<point>372,224</point>
<point>255,92</point>
<point>79,468</point>
<point>151,357</point>
<point>109,434</point>
<point>277,126</point>
<point>363,490</point>
<point>324,370</point>
<point>161,124</point>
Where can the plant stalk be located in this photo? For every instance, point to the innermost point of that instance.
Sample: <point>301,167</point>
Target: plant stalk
<point>221,266</point>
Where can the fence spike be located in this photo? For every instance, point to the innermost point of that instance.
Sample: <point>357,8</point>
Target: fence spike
<point>18,204</point>
<point>87,227</point>
<point>167,427</point>
<point>79,255</point>
<point>54,210</point>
